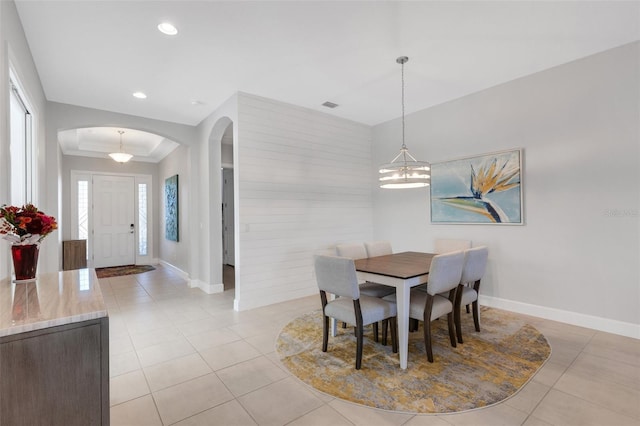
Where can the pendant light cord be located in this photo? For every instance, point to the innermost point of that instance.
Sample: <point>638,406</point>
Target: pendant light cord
<point>403,145</point>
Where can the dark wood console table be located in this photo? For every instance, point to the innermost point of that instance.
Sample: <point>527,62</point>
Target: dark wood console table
<point>54,351</point>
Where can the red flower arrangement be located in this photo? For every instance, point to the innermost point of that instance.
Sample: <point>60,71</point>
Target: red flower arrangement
<point>26,224</point>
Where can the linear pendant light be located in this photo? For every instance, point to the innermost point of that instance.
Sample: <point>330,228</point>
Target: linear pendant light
<point>404,171</point>
<point>121,156</point>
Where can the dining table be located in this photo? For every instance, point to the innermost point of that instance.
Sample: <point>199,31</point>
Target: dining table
<point>403,271</point>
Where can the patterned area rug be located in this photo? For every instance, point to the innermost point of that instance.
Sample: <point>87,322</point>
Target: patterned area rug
<point>488,368</point>
<point>117,271</point>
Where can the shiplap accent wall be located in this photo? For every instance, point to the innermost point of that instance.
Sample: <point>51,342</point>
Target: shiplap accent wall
<point>303,184</point>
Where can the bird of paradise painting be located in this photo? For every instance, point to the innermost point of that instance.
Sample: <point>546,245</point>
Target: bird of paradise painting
<point>482,189</point>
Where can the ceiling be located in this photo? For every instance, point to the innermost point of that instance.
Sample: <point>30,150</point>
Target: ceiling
<point>101,141</point>
<point>97,53</point>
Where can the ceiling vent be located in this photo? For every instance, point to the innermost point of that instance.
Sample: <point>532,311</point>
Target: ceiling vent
<point>329,104</point>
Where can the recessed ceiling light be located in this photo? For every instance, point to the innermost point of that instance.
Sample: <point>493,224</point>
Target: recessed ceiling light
<point>167,28</point>
<point>197,102</point>
<point>139,95</point>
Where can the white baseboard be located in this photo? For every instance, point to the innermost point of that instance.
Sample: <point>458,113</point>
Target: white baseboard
<point>182,273</point>
<point>573,318</point>
<point>207,288</point>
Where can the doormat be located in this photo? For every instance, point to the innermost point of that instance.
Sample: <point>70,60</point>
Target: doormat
<point>117,271</point>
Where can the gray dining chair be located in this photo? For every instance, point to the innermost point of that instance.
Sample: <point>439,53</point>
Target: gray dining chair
<point>445,273</point>
<point>337,275</point>
<point>378,248</point>
<point>359,251</point>
<point>475,265</point>
<point>446,245</point>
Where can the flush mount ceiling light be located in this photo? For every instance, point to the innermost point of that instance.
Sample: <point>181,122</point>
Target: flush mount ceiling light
<point>120,156</point>
<point>167,28</point>
<point>404,171</point>
<point>139,95</point>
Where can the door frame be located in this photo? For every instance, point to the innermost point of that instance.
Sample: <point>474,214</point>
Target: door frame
<point>80,175</point>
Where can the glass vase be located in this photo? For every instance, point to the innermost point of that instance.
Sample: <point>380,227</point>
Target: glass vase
<point>25,261</point>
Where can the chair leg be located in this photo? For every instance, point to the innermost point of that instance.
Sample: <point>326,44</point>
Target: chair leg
<point>325,333</point>
<point>394,335</point>
<point>385,325</point>
<point>427,340</point>
<point>359,337</point>
<point>427,327</point>
<point>476,316</point>
<point>452,334</point>
<point>468,309</point>
<point>413,324</point>
<point>375,332</point>
<point>456,314</point>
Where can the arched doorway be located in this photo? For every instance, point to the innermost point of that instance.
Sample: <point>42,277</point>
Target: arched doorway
<point>223,248</point>
<point>228,209</point>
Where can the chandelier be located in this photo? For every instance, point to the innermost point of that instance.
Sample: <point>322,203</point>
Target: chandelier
<point>120,156</point>
<point>404,171</point>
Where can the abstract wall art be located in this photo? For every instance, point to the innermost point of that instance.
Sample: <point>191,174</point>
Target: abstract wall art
<point>485,189</point>
<point>171,208</point>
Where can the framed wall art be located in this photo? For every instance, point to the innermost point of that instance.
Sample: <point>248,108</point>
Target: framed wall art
<point>171,208</point>
<point>485,189</point>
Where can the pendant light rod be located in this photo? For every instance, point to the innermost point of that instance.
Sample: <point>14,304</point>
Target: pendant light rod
<point>121,156</point>
<point>402,60</point>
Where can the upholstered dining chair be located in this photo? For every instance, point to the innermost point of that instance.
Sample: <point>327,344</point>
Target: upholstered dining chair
<point>337,275</point>
<point>378,248</point>
<point>359,251</point>
<point>446,245</point>
<point>475,265</point>
<point>441,246</point>
<point>444,277</point>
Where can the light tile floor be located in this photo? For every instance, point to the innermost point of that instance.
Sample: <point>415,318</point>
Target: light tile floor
<point>180,356</point>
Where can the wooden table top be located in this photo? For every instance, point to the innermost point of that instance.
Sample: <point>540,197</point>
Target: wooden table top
<point>403,265</point>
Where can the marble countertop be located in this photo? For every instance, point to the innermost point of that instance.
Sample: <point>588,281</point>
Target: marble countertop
<point>53,299</point>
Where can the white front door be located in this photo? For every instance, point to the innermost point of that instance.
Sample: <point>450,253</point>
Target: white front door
<point>113,219</point>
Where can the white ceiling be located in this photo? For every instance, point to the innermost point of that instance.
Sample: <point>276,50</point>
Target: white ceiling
<point>101,141</point>
<point>97,53</point>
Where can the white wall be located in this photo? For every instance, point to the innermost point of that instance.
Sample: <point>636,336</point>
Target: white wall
<point>576,257</point>
<point>302,184</point>
<point>15,50</point>
<point>176,253</point>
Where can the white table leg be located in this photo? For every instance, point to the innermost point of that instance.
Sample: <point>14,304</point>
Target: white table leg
<point>402,300</point>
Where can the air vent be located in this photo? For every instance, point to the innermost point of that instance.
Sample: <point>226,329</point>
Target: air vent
<point>329,104</point>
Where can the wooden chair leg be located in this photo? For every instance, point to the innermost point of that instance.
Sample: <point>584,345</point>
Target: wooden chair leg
<point>468,309</point>
<point>359,337</point>
<point>325,333</point>
<point>427,327</point>
<point>385,325</point>
<point>413,324</point>
<point>375,332</point>
<point>456,314</point>
<point>427,340</point>
<point>394,334</point>
<point>476,316</point>
<point>452,334</point>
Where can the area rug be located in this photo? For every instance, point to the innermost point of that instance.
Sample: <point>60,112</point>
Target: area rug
<point>117,271</point>
<point>487,368</point>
